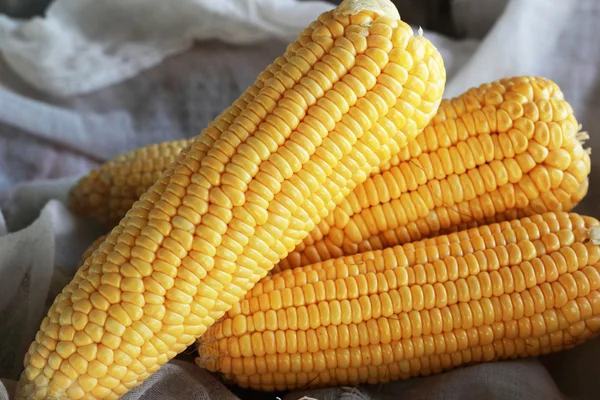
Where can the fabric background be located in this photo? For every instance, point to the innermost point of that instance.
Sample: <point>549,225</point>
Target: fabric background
<point>52,133</point>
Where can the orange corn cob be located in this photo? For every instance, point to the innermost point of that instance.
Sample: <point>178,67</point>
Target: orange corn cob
<point>504,290</point>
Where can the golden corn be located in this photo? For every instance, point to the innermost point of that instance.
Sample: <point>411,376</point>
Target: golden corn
<point>499,152</point>
<point>387,366</point>
<point>504,290</point>
<point>236,201</point>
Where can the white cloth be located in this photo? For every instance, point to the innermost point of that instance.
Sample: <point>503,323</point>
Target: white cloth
<point>84,45</point>
<point>154,97</point>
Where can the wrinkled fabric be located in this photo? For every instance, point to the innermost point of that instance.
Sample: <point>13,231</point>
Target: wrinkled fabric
<point>79,54</point>
<point>522,380</point>
<point>47,142</point>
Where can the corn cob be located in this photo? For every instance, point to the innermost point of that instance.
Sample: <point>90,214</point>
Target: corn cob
<point>384,367</point>
<point>237,200</point>
<point>108,192</point>
<point>499,152</point>
<point>504,290</point>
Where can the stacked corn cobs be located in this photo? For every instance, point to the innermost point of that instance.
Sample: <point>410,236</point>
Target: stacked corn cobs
<point>501,151</point>
<point>335,151</point>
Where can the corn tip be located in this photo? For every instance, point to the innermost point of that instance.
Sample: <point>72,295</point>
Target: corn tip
<point>381,7</point>
<point>595,235</point>
<point>582,136</point>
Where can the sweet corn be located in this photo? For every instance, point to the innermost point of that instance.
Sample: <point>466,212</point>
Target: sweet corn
<point>504,290</point>
<point>108,192</point>
<point>498,345</point>
<point>499,152</point>
<point>237,200</point>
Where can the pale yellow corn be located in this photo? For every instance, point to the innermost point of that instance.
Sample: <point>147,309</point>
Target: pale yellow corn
<point>236,201</point>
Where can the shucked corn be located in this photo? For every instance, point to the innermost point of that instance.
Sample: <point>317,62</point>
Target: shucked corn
<point>498,152</point>
<point>505,290</point>
<point>237,200</point>
<point>108,192</point>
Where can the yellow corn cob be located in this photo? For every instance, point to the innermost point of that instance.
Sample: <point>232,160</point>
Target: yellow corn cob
<point>504,290</point>
<point>387,366</point>
<point>499,152</point>
<point>237,200</point>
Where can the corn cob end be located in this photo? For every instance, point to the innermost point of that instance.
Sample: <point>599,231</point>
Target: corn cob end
<point>381,7</point>
<point>595,235</point>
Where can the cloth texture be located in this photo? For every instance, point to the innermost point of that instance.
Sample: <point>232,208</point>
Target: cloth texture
<point>79,54</point>
<point>91,80</point>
